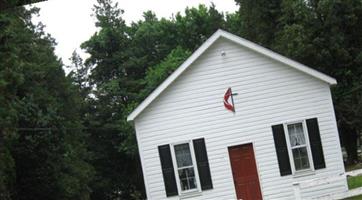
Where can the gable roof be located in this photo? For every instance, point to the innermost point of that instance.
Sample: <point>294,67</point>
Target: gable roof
<point>243,42</point>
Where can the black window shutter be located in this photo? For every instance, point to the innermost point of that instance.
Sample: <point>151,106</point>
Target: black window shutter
<point>167,170</point>
<point>315,143</point>
<point>202,164</point>
<point>281,149</point>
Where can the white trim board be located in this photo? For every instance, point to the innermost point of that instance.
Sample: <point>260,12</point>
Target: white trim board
<point>245,43</point>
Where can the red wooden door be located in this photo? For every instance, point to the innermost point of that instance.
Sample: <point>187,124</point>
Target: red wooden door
<point>245,174</point>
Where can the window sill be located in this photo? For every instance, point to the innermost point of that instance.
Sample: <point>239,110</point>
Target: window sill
<point>190,194</point>
<point>304,173</point>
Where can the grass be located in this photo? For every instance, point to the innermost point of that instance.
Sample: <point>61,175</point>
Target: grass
<point>359,197</point>
<point>354,182</point>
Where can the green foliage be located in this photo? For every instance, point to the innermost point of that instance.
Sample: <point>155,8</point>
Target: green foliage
<point>197,25</point>
<point>9,4</point>
<point>74,141</point>
<point>259,20</point>
<point>158,73</point>
<point>127,63</point>
<point>354,182</point>
<point>40,157</point>
<point>79,72</point>
<point>316,33</point>
<point>324,34</point>
<point>7,173</point>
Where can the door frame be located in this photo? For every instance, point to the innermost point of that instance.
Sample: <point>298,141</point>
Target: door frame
<point>256,163</point>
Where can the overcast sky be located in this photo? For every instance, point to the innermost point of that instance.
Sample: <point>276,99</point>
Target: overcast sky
<point>70,21</point>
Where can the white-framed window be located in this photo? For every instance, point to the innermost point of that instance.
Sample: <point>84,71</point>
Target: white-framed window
<point>298,146</point>
<point>185,167</point>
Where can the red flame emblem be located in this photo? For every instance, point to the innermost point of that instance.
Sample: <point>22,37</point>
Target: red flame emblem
<point>229,105</point>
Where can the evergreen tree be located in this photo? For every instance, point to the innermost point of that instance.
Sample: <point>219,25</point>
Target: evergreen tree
<point>115,81</point>
<point>259,20</point>
<point>43,146</point>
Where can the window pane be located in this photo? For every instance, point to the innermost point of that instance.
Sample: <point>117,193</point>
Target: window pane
<point>296,134</point>
<point>300,156</point>
<point>183,155</point>
<point>187,178</point>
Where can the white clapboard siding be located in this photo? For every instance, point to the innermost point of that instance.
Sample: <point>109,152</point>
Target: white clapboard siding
<point>269,93</point>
